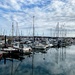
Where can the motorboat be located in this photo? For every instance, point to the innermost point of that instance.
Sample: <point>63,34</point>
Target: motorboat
<point>23,47</point>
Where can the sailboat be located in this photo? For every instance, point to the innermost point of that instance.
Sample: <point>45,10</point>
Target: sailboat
<point>36,44</point>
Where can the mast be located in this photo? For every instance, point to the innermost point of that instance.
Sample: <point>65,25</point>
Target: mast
<point>33,29</point>
<point>51,32</point>
<point>21,32</point>
<point>17,31</point>
<point>12,29</point>
<point>57,30</point>
<point>33,46</point>
<point>4,32</point>
<point>0,31</point>
<point>16,28</point>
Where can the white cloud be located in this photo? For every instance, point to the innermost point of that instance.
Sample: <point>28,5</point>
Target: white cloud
<point>46,16</point>
<point>14,4</point>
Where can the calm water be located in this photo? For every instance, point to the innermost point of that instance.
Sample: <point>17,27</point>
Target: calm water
<point>55,62</point>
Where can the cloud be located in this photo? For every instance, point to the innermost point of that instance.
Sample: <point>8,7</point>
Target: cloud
<point>47,13</point>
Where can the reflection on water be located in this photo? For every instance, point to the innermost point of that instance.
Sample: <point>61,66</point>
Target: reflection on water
<point>59,61</point>
<point>60,55</point>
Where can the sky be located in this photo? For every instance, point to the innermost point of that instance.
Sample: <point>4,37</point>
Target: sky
<point>48,13</point>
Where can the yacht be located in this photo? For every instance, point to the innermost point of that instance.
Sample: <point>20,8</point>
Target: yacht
<point>24,47</point>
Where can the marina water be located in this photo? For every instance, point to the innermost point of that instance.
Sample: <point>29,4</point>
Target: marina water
<point>53,61</point>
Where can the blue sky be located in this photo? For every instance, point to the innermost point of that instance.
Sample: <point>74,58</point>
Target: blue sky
<point>47,14</point>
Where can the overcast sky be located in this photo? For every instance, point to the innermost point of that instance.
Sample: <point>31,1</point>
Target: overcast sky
<point>47,14</point>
